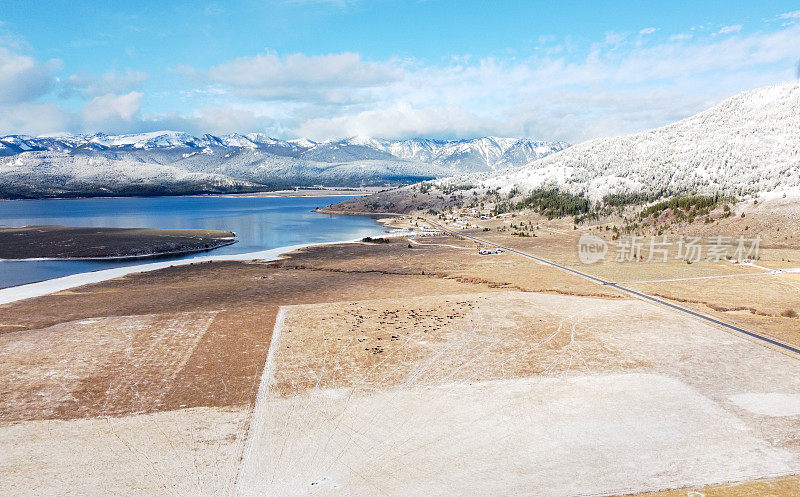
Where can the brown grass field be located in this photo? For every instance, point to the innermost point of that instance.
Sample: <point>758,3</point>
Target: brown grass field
<point>166,366</point>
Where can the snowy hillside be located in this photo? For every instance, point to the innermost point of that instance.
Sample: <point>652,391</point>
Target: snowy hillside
<point>491,152</point>
<point>43,174</point>
<point>178,162</point>
<point>746,144</point>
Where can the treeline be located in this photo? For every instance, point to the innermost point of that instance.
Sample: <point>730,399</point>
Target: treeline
<point>549,202</point>
<point>554,203</point>
<point>447,189</point>
<point>626,199</point>
<point>16,191</point>
<point>684,205</point>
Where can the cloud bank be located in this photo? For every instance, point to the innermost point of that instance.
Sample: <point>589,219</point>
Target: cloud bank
<point>623,83</point>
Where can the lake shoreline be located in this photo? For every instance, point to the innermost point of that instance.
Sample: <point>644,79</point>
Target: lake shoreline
<point>70,243</point>
<point>55,285</point>
<point>333,192</point>
<point>258,224</point>
<point>122,258</point>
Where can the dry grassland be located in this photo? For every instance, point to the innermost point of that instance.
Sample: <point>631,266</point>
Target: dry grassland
<point>775,487</point>
<point>747,295</point>
<point>164,367</point>
<point>508,393</point>
<point>188,336</point>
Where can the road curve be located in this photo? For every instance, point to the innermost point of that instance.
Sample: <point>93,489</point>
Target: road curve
<point>630,291</point>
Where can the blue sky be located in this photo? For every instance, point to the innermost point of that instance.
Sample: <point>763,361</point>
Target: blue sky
<point>323,69</point>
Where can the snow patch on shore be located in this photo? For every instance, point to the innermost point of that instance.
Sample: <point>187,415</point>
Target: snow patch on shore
<point>22,292</point>
<point>769,404</point>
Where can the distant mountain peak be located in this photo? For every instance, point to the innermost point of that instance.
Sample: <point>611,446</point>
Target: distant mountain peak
<point>242,161</point>
<point>464,155</point>
<point>748,143</point>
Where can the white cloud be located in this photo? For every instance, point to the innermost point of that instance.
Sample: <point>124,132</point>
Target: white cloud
<point>110,82</point>
<point>298,76</point>
<point>618,87</point>
<point>110,111</point>
<point>647,31</point>
<point>401,120</point>
<point>23,79</point>
<point>210,119</point>
<point>730,29</point>
<point>790,15</point>
<point>24,82</point>
<point>622,83</point>
<point>33,118</point>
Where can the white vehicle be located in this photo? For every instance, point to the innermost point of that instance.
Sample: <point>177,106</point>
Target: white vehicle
<point>486,251</point>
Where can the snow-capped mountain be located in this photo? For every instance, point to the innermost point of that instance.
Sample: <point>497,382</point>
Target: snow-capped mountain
<point>85,164</point>
<point>747,144</point>
<point>492,152</point>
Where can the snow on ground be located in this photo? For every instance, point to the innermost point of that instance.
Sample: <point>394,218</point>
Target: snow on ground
<point>175,162</point>
<point>61,360</point>
<point>744,145</point>
<point>769,404</point>
<point>650,400</point>
<point>191,452</point>
<point>38,289</point>
<point>545,436</point>
<point>629,397</point>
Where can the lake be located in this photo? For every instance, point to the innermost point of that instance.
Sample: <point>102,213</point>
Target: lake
<point>260,223</point>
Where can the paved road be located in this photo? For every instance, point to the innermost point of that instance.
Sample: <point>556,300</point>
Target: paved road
<point>630,291</point>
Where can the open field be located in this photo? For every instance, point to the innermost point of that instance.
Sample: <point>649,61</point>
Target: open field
<point>140,368</point>
<point>436,257</point>
<point>769,303</point>
<point>788,485</point>
<point>190,452</point>
<point>764,296</point>
<point>514,404</point>
<point>406,370</point>
<point>61,242</point>
<point>214,320</point>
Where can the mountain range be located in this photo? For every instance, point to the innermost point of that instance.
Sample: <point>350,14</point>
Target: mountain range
<point>169,162</point>
<point>746,145</point>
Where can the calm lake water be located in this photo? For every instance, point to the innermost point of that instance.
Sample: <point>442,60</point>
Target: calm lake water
<point>260,223</point>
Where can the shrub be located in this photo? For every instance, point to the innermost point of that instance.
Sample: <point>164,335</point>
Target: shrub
<point>789,313</point>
